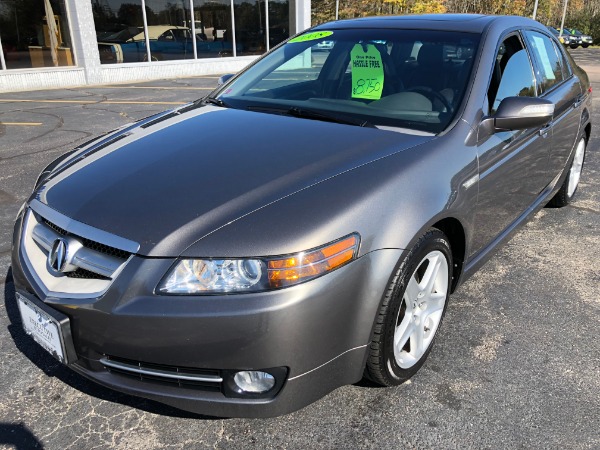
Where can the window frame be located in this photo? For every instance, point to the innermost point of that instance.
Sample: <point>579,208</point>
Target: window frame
<point>513,32</point>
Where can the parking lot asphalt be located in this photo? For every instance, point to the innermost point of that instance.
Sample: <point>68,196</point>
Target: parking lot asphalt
<point>516,363</point>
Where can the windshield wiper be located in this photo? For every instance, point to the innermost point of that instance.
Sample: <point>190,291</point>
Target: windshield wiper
<point>215,101</point>
<point>310,114</point>
<point>316,115</point>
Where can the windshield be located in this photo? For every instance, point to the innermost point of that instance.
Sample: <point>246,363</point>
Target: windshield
<point>412,79</point>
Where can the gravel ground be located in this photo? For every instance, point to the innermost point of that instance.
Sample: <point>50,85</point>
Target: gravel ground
<point>516,364</point>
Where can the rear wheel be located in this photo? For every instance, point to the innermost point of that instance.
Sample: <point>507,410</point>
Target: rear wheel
<point>411,312</point>
<point>564,196</point>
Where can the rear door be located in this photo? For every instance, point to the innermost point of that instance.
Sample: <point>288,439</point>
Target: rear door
<point>559,85</point>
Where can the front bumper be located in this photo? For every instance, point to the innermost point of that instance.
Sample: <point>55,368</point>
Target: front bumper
<point>317,331</point>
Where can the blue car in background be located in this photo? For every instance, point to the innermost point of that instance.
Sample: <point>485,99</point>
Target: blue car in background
<point>167,42</point>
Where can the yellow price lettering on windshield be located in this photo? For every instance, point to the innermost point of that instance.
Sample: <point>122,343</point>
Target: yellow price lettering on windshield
<point>311,36</point>
<point>367,72</point>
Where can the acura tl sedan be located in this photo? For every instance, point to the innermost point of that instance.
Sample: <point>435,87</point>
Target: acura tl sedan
<point>303,226</point>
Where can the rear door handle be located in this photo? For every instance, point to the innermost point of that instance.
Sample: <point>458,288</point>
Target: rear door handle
<point>578,101</point>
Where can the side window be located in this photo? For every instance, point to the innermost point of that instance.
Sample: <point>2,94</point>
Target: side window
<point>512,75</point>
<point>549,63</point>
<point>179,34</point>
<point>166,36</point>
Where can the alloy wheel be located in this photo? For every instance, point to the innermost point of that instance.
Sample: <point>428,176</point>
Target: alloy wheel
<point>421,309</point>
<point>576,166</point>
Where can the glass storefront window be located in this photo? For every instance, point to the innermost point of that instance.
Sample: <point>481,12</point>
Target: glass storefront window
<point>279,21</point>
<point>171,25</point>
<point>117,23</point>
<point>169,30</point>
<point>250,25</point>
<point>29,40</point>
<point>212,19</point>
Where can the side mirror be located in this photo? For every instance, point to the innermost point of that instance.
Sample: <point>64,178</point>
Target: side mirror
<point>519,113</point>
<point>224,79</point>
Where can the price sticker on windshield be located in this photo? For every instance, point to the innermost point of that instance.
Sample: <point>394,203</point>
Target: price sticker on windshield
<point>311,36</point>
<point>367,72</point>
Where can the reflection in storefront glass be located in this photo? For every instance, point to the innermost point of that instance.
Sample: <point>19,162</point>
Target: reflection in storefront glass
<point>213,28</point>
<point>117,22</point>
<point>169,30</point>
<point>250,26</point>
<point>29,40</point>
<point>279,21</point>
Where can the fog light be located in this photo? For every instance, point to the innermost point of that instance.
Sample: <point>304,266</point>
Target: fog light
<point>254,381</point>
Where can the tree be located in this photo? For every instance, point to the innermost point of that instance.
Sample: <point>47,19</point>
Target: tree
<point>581,14</point>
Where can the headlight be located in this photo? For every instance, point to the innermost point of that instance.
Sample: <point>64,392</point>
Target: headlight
<point>222,276</point>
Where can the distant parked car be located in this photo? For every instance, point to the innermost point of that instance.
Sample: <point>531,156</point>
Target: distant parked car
<point>576,40</point>
<point>586,39</point>
<point>324,45</point>
<point>564,38</point>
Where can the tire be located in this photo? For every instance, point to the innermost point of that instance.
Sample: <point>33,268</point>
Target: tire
<point>585,45</point>
<point>574,46</point>
<point>569,187</point>
<point>407,303</point>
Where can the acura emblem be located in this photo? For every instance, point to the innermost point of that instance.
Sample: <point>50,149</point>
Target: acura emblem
<point>57,258</point>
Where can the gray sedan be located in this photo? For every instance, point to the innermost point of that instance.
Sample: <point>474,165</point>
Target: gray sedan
<point>304,225</point>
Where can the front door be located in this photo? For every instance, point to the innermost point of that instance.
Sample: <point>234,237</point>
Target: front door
<point>512,164</point>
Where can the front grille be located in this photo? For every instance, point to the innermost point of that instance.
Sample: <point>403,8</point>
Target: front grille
<point>101,248</point>
<point>85,262</point>
<point>86,274</point>
<point>92,245</point>
<point>202,379</point>
<point>56,228</point>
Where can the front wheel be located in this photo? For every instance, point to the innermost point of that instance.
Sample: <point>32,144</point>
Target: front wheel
<point>566,192</point>
<point>411,312</point>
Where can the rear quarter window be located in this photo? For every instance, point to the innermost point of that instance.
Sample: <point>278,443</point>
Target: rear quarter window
<point>549,63</point>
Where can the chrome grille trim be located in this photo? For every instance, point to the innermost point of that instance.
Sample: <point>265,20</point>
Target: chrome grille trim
<point>139,370</point>
<point>99,263</point>
<point>89,270</point>
<point>83,230</point>
<point>85,258</point>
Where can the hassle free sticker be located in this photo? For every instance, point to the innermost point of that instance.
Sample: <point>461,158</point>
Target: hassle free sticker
<point>367,72</point>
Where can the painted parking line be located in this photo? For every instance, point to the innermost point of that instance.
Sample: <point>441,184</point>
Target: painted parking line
<point>90,102</point>
<point>22,124</point>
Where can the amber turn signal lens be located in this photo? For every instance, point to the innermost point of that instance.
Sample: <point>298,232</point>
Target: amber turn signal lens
<point>307,265</point>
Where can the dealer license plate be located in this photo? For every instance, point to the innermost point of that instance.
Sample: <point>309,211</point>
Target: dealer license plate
<point>43,328</point>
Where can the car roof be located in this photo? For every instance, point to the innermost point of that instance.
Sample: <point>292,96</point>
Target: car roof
<point>474,23</point>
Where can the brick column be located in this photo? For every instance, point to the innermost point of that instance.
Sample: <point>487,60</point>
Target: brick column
<point>83,37</point>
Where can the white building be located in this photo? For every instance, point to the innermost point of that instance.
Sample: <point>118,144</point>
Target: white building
<point>112,41</point>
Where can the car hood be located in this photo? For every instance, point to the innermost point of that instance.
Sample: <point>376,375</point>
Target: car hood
<point>172,180</point>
